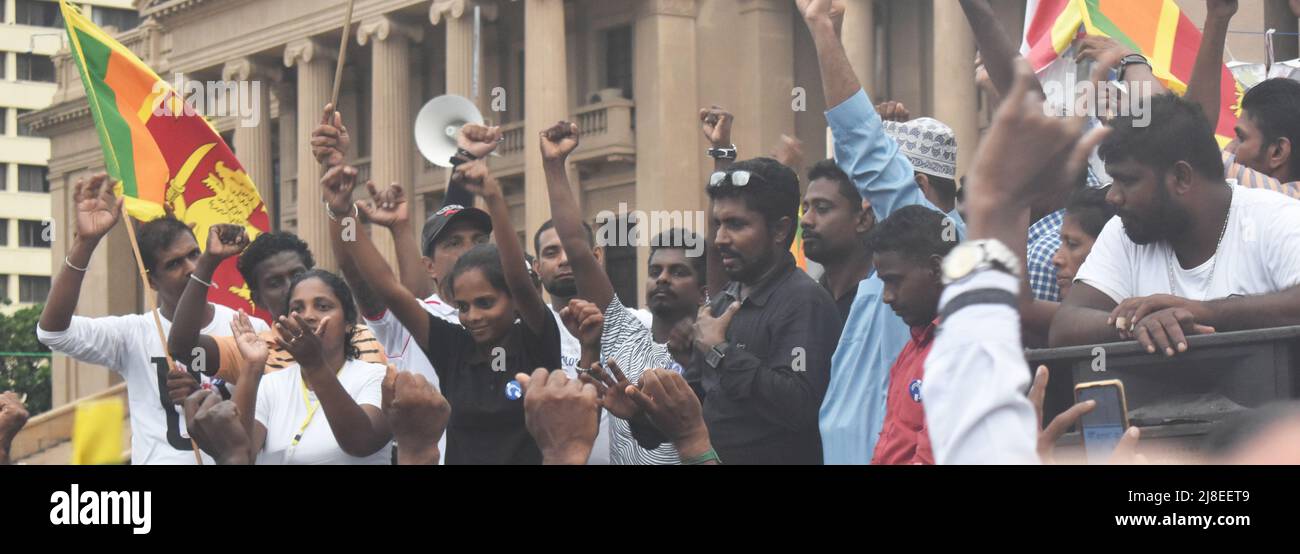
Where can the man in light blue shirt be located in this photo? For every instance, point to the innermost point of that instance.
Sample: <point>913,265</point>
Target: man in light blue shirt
<point>854,406</point>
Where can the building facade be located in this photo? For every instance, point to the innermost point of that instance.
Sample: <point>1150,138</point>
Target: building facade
<point>31,34</point>
<point>631,73</point>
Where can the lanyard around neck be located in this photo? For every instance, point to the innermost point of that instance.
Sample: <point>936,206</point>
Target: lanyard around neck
<point>311,406</point>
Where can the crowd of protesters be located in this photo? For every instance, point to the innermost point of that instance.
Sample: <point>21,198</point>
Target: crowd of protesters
<point>908,348</point>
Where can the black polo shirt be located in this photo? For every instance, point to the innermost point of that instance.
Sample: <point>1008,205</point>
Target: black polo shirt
<point>486,426</point>
<point>844,304</point>
<point>762,401</point>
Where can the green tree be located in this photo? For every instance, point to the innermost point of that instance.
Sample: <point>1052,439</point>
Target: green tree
<point>28,374</point>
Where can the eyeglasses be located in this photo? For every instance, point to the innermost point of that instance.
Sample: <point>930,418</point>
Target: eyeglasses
<point>737,178</point>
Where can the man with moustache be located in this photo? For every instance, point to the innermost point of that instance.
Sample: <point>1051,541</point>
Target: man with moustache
<point>557,277</point>
<point>886,176</point>
<point>763,344</point>
<point>1189,253</point>
<point>834,227</point>
<point>675,290</point>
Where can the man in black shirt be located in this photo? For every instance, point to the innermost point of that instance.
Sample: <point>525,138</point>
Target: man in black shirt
<point>835,224</point>
<point>763,345</point>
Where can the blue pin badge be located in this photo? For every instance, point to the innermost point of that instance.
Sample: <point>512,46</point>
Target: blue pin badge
<point>513,390</point>
<point>915,389</point>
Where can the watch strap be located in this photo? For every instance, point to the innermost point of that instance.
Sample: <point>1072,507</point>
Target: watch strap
<point>979,296</point>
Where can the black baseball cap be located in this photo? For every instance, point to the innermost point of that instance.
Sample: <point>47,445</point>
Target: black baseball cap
<point>444,217</point>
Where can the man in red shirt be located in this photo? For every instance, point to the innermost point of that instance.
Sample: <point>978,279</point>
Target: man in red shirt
<point>908,248</point>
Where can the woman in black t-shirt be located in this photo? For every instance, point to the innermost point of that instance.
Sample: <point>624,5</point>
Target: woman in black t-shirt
<point>490,285</point>
<point>477,360</point>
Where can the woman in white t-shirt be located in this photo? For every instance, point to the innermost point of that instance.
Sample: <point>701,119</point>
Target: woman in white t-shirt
<point>326,408</point>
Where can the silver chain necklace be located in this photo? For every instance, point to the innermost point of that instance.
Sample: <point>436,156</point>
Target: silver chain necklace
<point>1214,263</point>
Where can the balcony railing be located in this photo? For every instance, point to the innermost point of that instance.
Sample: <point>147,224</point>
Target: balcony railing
<point>607,132</point>
<point>363,172</point>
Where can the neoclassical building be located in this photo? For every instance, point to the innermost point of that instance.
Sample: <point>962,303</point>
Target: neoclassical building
<point>631,73</point>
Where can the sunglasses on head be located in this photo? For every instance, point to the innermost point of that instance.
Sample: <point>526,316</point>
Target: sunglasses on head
<point>737,178</point>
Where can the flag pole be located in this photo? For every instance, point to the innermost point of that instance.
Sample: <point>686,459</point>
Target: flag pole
<point>343,55</point>
<point>153,309</point>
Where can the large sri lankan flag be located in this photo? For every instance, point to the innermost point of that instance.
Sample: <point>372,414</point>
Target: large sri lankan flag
<point>1156,28</point>
<point>162,153</point>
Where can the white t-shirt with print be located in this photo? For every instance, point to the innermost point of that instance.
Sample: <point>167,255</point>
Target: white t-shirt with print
<point>281,409</point>
<point>405,354</point>
<point>1259,254</point>
<point>129,345</point>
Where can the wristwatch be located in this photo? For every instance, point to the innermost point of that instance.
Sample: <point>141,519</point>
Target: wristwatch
<point>728,153</point>
<point>1130,60</point>
<point>715,355</point>
<point>975,255</point>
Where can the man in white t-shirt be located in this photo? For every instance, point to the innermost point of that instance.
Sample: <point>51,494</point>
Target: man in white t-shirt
<point>1188,253</point>
<point>557,278</point>
<point>130,344</point>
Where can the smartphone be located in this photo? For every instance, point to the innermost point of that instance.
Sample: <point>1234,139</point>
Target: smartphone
<point>1106,423</point>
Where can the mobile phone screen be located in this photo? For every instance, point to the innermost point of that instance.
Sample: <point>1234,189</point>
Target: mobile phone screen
<point>1104,425</point>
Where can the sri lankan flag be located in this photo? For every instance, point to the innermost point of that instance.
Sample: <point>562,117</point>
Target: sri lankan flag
<point>1156,28</point>
<point>160,152</point>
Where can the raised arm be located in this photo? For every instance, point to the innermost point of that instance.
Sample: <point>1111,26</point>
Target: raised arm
<point>480,181</point>
<point>839,83</point>
<point>224,240</point>
<point>410,267</point>
<point>98,210</point>
<point>557,143</point>
<point>997,51</point>
<point>716,124</point>
<point>1205,86</point>
<point>883,175</point>
<point>456,192</point>
<point>1106,54</point>
<point>330,141</point>
<point>255,352</point>
<point>351,237</point>
<point>369,302</point>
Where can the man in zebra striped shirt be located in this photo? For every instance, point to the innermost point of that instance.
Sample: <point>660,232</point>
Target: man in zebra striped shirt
<point>674,293</point>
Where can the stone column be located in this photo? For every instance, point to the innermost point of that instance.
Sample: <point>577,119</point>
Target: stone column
<point>315,63</point>
<point>667,127</point>
<point>287,131</point>
<point>765,67</point>
<point>546,99</point>
<point>859,38</point>
<point>392,114</point>
<point>458,16</point>
<point>953,89</point>
<point>253,143</point>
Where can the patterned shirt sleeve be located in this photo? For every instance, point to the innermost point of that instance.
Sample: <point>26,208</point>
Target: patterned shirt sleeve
<point>1250,178</point>
<point>1044,240</point>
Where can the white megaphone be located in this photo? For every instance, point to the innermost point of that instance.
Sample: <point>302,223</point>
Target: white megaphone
<point>437,124</point>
